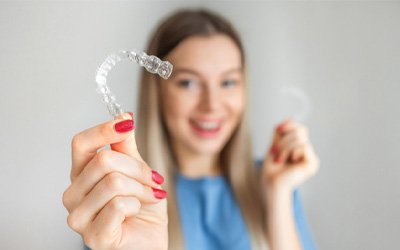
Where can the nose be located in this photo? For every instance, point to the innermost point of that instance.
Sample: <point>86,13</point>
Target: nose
<point>210,99</point>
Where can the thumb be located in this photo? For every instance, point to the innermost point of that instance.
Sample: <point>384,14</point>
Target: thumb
<point>128,146</point>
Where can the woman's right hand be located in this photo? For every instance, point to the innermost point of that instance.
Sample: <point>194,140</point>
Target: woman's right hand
<point>115,200</point>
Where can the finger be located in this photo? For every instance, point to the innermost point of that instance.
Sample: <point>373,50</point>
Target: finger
<point>289,125</point>
<point>286,152</point>
<point>86,143</point>
<point>297,154</point>
<point>278,134</point>
<point>114,184</point>
<point>293,135</point>
<point>281,127</point>
<point>128,146</point>
<point>286,126</point>
<point>311,158</point>
<point>109,220</point>
<point>285,132</point>
<point>278,128</point>
<point>104,163</point>
<point>306,168</point>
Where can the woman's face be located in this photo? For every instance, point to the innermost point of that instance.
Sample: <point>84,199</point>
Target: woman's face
<point>203,100</point>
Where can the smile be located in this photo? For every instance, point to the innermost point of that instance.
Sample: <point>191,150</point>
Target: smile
<point>206,129</point>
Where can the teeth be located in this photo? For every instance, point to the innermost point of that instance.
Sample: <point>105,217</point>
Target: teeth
<point>208,125</point>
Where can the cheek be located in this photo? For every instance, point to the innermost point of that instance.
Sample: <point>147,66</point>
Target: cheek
<point>236,105</point>
<point>174,109</point>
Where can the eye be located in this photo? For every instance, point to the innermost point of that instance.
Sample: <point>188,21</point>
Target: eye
<point>229,83</point>
<point>186,83</point>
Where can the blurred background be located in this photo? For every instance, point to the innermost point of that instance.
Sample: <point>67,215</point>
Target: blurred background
<point>343,56</point>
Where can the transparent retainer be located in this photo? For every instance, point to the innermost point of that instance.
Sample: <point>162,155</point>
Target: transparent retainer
<point>151,63</point>
<point>294,103</point>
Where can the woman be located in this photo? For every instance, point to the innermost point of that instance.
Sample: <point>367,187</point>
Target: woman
<point>193,132</point>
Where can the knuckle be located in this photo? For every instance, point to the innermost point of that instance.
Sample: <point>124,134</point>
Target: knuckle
<point>76,142</point>
<point>66,198</point>
<point>104,159</point>
<point>95,238</point>
<point>73,221</point>
<point>113,181</point>
<point>89,240</point>
<point>137,205</point>
<point>117,204</point>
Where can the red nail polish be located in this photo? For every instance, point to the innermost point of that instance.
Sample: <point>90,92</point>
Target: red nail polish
<point>280,128</point>
<point>274,150</point>
<point>159,193</point>
<point>124,126</point>
<point>157,178</point>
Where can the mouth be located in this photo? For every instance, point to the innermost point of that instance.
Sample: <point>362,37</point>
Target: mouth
<point>206,128</point>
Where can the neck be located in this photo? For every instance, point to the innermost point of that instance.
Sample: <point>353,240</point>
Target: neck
<point>197,165</point>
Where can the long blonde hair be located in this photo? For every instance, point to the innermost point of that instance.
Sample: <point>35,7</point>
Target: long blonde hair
<point>153,140</point>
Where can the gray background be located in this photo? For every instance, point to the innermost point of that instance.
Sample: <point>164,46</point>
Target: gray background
<point>344,55</point>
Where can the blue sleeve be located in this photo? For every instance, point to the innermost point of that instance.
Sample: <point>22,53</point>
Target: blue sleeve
<point>301,223</point>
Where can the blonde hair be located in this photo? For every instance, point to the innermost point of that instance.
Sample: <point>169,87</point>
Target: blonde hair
<point>152,136</point>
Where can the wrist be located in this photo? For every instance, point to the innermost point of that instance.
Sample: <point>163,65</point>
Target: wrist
<point>278,194</point>
<point>278,187</point>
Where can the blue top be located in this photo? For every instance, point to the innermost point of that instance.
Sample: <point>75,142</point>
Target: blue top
<point>211,218</point>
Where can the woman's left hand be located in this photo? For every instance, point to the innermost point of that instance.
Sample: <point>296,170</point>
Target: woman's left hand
<point>291,159</point>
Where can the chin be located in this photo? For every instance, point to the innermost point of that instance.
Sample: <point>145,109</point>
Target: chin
<point>208,147</point>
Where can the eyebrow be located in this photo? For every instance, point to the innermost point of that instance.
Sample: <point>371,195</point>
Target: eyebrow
<point>193,72</point>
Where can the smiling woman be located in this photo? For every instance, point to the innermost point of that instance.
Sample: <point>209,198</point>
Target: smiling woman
<point>204,100</point>
<point>193,135</point>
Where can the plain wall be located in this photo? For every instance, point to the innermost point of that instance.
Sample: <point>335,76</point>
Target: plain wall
<point>344,55</point>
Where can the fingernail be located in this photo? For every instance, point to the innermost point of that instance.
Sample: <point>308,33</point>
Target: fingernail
<point>124,126</point>
<point>274,150</point>
<point>157,178</point>
<point>131,113</point>
<point>280,127</point>
<point>159,193</point>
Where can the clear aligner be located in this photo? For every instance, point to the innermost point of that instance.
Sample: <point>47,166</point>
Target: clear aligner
<point>152,64</point>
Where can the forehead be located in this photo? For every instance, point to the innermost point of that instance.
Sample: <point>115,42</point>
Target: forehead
<point>207,55</point>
